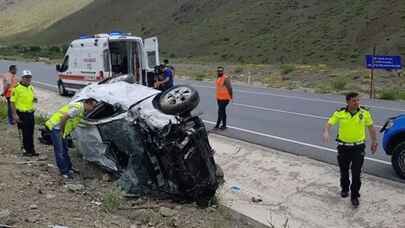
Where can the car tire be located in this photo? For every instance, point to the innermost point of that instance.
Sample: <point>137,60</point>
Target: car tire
<point>179,100</point>
<point>61,89</point>
<point>398,159</point>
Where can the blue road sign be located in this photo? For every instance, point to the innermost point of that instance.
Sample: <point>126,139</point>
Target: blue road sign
<point>383,62</point>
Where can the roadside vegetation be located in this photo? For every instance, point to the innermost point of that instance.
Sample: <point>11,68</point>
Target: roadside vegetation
<point>318,78</point>
<point>35,53</point>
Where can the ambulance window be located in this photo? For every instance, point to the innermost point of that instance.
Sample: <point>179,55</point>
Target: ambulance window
<point>65,64</point>
<point>106,56</point>
<point>151,59</point>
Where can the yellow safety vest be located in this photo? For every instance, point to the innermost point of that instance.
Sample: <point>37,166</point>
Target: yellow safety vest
<point>23,98</point>
<point>71,123</point>
<point>352,128</point>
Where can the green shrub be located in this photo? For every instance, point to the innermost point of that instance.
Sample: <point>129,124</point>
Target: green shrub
<point>199,77</point>
<point>388,94</point>
<point>54,49</point>
<point>238,70</point>
<point>392,94</point>
<point>35,48</point>
<point>322,88</point>
<point>339,83</point>
<point>287,68</point>
<point>112,200</point>
<point>3,110</point>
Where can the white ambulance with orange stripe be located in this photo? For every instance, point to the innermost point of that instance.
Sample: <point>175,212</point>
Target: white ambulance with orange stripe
<point>94,58</point>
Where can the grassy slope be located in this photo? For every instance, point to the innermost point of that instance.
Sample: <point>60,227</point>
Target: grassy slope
<point>34,15</point>
<point>258,31</point>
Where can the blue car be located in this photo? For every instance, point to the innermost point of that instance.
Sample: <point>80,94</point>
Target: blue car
<point>394,142</point>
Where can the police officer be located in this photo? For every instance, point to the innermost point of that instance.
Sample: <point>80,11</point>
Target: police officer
<point>22,104</point>
<point>61,124</point>
<point>352,120</point>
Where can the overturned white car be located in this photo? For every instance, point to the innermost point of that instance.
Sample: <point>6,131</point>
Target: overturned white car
<point>149,139</point>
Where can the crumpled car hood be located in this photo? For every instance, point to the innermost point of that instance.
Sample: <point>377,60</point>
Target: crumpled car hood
<point>120,92</point>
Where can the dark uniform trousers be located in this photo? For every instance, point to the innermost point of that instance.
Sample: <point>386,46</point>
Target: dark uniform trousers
<point>351,157</point>
<point>222,112</point>
<point>27,127</point>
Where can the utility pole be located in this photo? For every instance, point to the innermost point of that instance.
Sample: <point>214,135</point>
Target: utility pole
<point>372,89</point>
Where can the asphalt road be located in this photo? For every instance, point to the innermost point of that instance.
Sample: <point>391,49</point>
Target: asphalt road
<point>285,120</point>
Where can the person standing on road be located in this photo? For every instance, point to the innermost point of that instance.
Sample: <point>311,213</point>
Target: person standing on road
<point>9,83</point>
<point>61,124</point>
<point>353,121</point>
<point>224,95</point>
<point>22,105</point>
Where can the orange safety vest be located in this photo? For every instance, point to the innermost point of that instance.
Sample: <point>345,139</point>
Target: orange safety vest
<point>222,91</point>
<point>12,80</point>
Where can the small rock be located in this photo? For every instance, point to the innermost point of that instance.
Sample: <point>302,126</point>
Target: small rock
<point>256,199</point>
<point>106,178</point>
<point>167,212</point>
<point>174,222</point>
<point>33,207</point>
<point>57,226</point>
<point>97,203</point>
<point>74,187</point>
<point>7,217</point>
<point>4,214</point>
<point>33,219</point>
<point>211,209</point>
<point>42,157</point>
<point>50,196</point>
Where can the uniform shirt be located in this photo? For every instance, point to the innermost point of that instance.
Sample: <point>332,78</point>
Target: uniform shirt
<point>72,113</point>
<point>168,74</point>
<point>352,127</point>
<point>23,98</point>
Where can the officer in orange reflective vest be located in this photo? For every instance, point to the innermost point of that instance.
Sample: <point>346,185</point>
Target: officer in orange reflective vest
<point>9,83</point>
<point>224,94</point>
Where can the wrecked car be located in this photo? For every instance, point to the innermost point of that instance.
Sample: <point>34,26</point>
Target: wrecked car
<point>149,139</point>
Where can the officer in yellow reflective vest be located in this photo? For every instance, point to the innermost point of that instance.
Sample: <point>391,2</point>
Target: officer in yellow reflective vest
<point>22,106</point>
<point>61,124</point>
<point>353,121</point>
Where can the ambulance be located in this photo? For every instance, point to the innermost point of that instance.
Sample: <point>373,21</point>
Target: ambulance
<point>95,58</point>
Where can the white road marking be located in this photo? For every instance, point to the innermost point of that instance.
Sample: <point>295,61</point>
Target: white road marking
<point>294,141</point>
<point>287,112</point>
<point>304,98</point>
<point>45,84</point>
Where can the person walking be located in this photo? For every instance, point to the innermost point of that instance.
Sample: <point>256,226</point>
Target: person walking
<point>224,95</point>
<point>22,105</point>
<point>61,124</point>
<point>353,121</point>
<point>9,83</point>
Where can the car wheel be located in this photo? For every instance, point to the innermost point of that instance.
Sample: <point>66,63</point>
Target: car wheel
<point>61,89</point>
<point>178,100</point>
<point>398,159</point>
